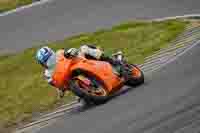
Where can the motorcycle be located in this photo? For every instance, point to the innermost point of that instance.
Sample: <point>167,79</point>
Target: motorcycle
<point>92,80</point>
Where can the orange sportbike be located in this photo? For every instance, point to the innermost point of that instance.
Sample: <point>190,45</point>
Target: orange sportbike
<point>92,80</point>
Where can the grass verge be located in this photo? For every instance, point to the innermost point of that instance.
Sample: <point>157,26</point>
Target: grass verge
<point>24,91</point>
<point>6,5</point>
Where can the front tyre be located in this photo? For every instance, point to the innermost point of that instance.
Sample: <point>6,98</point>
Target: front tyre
<point>137,76</point>
<point>88,88</point>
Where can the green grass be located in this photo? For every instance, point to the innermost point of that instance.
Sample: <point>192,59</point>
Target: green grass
<point>23,90</point>
<point>6,5</point>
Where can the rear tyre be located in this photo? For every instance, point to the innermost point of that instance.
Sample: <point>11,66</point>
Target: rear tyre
<point>90,94</point>
<point>137,76</point>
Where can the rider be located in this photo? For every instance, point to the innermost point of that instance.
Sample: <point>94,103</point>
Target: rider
<point>47,58</point>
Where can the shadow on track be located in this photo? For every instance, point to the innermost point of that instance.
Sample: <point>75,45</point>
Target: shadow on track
<point>85,107</point>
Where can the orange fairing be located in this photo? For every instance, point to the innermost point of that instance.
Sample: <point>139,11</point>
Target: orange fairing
<point>102,70</point>
<point>62,71</point>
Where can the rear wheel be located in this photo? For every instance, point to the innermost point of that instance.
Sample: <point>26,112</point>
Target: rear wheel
<point>88,88</point>
<point>137,76</point>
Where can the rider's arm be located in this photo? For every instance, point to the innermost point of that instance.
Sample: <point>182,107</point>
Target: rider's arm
<point>90,50</point>
<point>47,76</point>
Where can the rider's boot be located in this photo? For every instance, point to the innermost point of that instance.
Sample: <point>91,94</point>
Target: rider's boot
<point>118,65</point>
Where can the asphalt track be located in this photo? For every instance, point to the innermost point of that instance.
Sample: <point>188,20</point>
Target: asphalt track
<point>57,19</point>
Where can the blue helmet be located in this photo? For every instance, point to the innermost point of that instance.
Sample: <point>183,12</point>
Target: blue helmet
<point>43,54</point>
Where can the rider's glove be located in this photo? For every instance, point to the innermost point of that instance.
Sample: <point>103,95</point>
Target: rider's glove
<point>60,93</point>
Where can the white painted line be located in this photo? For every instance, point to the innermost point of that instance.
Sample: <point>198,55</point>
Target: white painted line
<point>68,107</point>
<point>176,57</point>
<point>150,65</point>
<point>173,50</point>
<point>185,37</point>
<point>185,42</point>
<point>24,7</point>
<point>176,17</point>
<point>49,117</point>
<point>156,56</point>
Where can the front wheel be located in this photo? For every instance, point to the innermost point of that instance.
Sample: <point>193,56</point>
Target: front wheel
<point>88,88</point>
<point>137,76</point>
